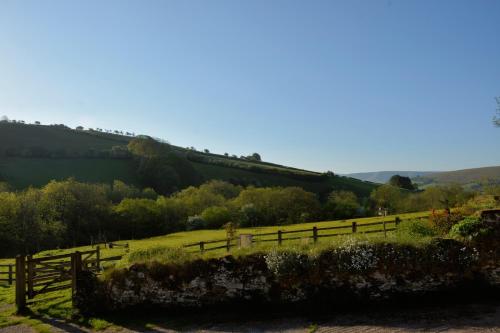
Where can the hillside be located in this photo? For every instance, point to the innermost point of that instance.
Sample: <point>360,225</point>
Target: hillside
<point>468,177</point>
<point>32,155</point>
<point>383,177</point>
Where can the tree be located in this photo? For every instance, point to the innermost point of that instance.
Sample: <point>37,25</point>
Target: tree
<point>140,218</point>
<point>341,205</point>
<point>4,119</point>
<point>206,151</point>
<point>496,119</point>
<point>79,128</point>
<point>215,217</point>
<point>387,197</point>
<point>254,157</point>
<point>402,182</point>
<point>148,147</point>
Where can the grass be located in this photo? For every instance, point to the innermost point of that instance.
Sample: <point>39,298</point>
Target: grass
<point>179,239</point>
<point>57,305</point>
<point>25,172</point>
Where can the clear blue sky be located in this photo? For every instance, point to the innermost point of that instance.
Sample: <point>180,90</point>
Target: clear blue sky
<point>325,85</point>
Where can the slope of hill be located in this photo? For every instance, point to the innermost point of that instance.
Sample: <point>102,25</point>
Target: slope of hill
<point>32,155</point>
<point>384,176</point>
<point>470,177</point>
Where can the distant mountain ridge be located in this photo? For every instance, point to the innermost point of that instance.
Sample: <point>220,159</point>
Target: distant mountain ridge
<point>384,176</point>
<point>465,176</point>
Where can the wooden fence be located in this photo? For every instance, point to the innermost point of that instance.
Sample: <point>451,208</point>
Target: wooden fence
<point>37,276</point>
<point>313,233</point>
<point>7,273</point>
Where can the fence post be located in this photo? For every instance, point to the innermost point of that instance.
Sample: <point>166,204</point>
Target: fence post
<point>202,247</point>
<point>228,244</point>
<point>98,258</point>
<point>31,275</point>
<point>280,238</point>
<point>397,221</point>
<point>385,229</point>
<point>76,267</point>
<point>315,234</point>
<point>10,274</point>
<point>20,284</point>
<point>354,227</point>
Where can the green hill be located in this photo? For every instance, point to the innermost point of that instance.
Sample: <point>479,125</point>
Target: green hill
<point>32,155</point>
<point>472,178</point>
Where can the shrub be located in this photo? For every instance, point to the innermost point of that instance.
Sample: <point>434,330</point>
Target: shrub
<point>216,217</point>
<point>469,228</point>
<point>286,263</point>
<point>442,222</point>
<point>195,223</point>
<point>354,255</point>
<point>416,228</point>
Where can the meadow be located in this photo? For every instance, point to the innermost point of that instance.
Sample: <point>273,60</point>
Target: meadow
<point>58,304</point>
<point>178,239</point>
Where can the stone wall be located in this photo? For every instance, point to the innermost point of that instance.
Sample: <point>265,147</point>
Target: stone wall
<point>355,272</point>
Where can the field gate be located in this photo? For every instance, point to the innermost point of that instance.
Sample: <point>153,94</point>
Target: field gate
<point>37,276</point>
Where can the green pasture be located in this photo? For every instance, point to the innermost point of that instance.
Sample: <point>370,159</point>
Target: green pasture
<point>58,304</point>
<point>25,172</point>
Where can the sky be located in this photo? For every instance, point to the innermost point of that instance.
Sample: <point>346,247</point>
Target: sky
<point>347,86</point>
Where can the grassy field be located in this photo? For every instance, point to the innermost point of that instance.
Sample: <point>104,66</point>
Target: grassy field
<point>58,304</point>
<point>24,172</point>
<point>179,239</point>
<point>55,137</point>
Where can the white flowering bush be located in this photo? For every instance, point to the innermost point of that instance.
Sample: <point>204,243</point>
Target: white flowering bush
<point>468,256</point>
<point>356,256</point>
<point>283,263</point>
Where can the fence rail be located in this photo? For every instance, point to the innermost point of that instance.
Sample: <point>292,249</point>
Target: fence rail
<point>313,233</point>
<point>37,276</point>
<point>7,273</point>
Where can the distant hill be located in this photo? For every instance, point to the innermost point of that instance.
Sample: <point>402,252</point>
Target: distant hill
<point>383,177</point>
<point>32,155</point>
<point>472,178</point>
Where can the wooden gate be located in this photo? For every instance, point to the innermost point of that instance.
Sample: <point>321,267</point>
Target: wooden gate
<point>36,276</point>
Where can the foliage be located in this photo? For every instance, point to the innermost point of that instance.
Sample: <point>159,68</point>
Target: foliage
<point>442,221</point>
<point>355,256</point>
<point>215,217</point>
<point>139,218</point>
<point>479,203</point>
<point>341,205</point>
<point>195,223</point>
<point>469,228</point>
<point>401,182</point>
<point>268,206</point>
<point>496,119</point>
<point>416,228</point>
<point>285,263</point>
<point>387,196</point>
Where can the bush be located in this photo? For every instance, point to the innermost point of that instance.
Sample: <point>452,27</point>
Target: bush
<point>442,222</point>
<point>195,223</point>
<point>286,263</point>
<point>355,256</point>
<point>416,228</point>
<point>216,217</point>
<point>469,228</point>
